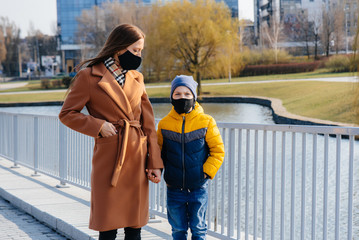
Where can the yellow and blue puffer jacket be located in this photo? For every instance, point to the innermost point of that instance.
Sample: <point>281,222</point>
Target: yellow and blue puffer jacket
<point>191,145</point>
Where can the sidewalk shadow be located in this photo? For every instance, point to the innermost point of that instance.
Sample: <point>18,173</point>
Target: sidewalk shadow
<point>52,188</point>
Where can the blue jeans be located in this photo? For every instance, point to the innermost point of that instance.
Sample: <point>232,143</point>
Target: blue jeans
<point>187,208</point>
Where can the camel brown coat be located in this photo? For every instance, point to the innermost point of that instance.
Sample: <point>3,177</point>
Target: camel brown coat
<point>119,184</point>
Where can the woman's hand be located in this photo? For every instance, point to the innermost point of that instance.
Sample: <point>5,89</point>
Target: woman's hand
<point>108,130</point>
<point>154,175</point>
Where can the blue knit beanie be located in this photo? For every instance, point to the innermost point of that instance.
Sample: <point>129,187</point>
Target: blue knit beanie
<point>184,80</point>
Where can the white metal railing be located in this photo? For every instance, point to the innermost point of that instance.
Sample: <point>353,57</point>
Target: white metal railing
<point>277,181</point>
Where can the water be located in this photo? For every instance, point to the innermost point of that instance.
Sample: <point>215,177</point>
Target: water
<point>228,112</point>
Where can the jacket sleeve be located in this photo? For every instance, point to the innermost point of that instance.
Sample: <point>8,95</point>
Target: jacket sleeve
<point>216,150</point>
<point>154,160</point>
<point>70,114</point>
<point>159,136</point>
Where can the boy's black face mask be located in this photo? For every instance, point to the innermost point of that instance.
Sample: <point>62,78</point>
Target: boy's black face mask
<point>183,105</point>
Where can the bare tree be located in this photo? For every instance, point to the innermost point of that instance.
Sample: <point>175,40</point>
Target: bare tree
<point>338,28</point>
<point>2,46</point>
<point>12,40</point>
<point>305,31</point>
<point>316,20</point>
<point>95,24</point>
<point>327,27</point>
<point>273,34</point>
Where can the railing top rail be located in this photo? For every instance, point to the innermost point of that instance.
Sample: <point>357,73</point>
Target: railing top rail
<point>293,128</point>
<point>28,115</point>
<point>265,127</point>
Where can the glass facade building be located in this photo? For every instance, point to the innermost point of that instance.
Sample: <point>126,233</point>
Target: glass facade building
<point>67,13</point>
<point>69,10</point>
<point>233,6</point>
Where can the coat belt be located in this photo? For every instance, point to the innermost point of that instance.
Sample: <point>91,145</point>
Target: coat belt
<point>121,150</point>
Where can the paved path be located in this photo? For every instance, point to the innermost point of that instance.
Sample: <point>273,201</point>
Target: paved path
<point>12,85</point>
<point>66,210</point>
<point>332,79</point>
<point>16,224</point>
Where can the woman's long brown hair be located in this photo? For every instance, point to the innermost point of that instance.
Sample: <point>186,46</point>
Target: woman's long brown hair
<point>119,39</point>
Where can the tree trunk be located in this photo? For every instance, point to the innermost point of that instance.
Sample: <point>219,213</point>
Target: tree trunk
<point>316,47</point>
<point>307,45</point>
<point>198,79</point>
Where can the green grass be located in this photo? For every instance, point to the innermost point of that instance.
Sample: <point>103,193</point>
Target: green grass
<point>32,97</point>
<point>321,73</point>
<point>322,100</point>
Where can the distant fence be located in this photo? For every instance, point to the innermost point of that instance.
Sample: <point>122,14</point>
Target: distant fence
<point>277,181</point>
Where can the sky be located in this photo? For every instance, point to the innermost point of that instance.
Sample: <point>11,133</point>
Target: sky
<point>42,14</point>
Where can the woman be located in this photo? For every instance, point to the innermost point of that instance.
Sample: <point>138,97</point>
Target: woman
<point>121,121</point>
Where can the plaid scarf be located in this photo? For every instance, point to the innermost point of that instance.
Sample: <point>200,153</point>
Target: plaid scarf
<point>117,72</point>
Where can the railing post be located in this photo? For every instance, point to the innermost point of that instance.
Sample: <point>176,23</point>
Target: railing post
<point>350,190</point>
<point>62,156</point>
<point>15,143</point>
<point>36,143</point>
<point>152,199</point>
<point>231,179</point>
<point>337,188</point>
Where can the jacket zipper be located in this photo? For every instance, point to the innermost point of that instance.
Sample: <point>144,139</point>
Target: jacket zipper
<point>183,154</point>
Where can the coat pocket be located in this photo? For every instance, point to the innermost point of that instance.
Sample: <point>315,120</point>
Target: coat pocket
<point>103,140</point>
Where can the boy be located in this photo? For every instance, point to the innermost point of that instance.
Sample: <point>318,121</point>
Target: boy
<point>192,151</point>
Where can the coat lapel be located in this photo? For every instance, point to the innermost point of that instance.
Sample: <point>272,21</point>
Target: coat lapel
<point>133,88</point>
<point>113,89</point>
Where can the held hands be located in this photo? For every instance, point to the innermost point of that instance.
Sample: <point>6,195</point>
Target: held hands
<point>154,175</point>
<point>108,130</point>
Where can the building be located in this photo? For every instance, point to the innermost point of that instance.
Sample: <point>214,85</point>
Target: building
<point>288,11</point>
<point>67,13</point>
<point>232,5</point>
<point>263,11</point>
<point>351,17</point>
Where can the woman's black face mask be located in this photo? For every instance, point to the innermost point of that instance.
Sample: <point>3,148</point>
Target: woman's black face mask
<point>183,105</point>
<point>129,61</point>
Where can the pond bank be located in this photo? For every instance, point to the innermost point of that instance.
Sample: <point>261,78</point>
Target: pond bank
<point>279,112</point>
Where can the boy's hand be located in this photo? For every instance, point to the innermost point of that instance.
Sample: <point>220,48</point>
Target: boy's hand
<point>154,175</point>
